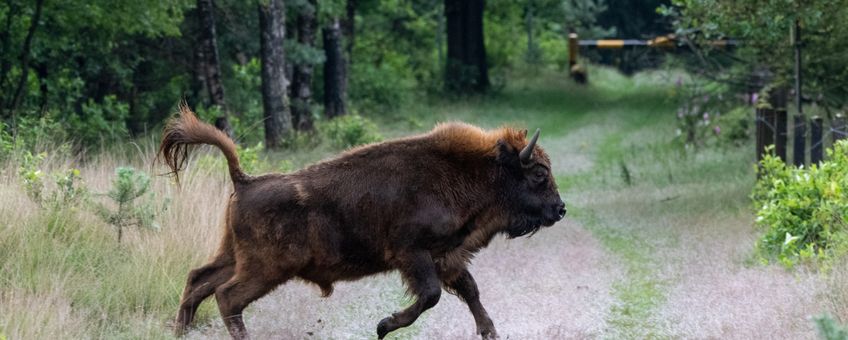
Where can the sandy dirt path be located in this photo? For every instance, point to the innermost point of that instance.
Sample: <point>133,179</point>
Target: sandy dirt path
<point>553,285</point>
<point>718,292</point>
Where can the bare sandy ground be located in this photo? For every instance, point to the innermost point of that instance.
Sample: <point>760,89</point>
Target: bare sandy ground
<point>718,296</point>
<point>554,285</point>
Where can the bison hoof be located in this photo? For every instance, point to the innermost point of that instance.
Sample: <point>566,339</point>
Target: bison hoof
<point>488,333</point>
<point>385,326</point>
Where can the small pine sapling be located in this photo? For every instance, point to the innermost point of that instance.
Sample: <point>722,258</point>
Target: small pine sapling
<point>128,185</point>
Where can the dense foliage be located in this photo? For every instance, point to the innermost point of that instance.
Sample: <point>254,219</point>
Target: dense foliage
<point>803,210</point>
<point>351,130</point>
<point>763,29</point>
<point>104,70</point>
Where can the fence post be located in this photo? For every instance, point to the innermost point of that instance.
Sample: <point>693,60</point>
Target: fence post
<point>781,133</point>
<point>765,130</point>
<point>767,124</point>
<point>798,145</point>
<point>577,72</point>
<point>800,140</point>
<point>573,49</point>
<point>839,128</point>
<point>816,140</point>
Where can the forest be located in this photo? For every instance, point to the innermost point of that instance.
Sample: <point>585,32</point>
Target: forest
<point>700,146</point>
<point>266,71</point>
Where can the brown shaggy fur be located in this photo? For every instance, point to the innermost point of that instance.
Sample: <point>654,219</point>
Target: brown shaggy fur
<point>421,205</point>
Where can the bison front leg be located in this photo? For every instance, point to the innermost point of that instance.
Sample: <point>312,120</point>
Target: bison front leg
<point>466,288</point>
<point>419,273</point>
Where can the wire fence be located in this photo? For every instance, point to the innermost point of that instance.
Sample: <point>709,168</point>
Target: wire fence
<point>772,129</point>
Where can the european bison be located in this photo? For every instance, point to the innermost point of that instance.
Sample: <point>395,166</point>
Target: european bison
<point>421,205</point>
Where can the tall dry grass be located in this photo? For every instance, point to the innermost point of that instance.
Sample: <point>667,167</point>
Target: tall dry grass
<point>836,297</point>
<point>64,275</point>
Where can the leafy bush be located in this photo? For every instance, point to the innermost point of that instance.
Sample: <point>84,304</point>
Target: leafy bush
<point>7,142</point>
<point>128,185</point>
<point>100,121</point>
<point>803,210</point>
<point>700,106</point>
<point>734,126</point>
<point>249,157</point>
<point>350,130</point>
<point>829,329</point>
<point>379,87</point>
<point>31,176</point>
<point>70,190</point>
<point>31,134</point>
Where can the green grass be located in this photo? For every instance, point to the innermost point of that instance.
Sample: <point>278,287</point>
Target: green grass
<point>639,293</point>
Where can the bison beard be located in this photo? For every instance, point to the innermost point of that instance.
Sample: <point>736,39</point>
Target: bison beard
<point>421,205</point>
<point>524,227</point>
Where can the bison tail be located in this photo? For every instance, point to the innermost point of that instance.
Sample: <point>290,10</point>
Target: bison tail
<point>185,130</point>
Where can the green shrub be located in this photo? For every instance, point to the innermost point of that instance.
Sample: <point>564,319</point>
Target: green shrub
<point>701,104</point>
<point>100,121</point>
<point>803,210</point>
<point>70,190</point>
<point>32,133</point>
<point>7,142</point>
<point>379,87</point>
<point>350,130</point>
<point>829,329</point>
<point>32,178</point>
<point>733,127</point>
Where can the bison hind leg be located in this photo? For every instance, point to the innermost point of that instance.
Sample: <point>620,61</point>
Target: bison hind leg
<point>201,283</point>
<point>242,289</point>
<point>326,289</point>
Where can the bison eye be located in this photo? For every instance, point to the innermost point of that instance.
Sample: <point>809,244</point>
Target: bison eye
<point>540,175</point>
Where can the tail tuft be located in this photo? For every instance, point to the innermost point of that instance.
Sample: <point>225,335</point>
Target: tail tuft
<point>185,130</point>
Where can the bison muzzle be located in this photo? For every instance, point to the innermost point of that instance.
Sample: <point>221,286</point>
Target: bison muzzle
<point>421,205</point>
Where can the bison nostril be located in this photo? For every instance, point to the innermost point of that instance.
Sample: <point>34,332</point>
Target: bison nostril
<point>560,209</point>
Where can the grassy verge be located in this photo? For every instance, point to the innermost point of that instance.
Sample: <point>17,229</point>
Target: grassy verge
<point>65,276</point>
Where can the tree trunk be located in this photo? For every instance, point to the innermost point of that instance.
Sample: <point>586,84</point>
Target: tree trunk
<point>440,36</point>
<point>349,28</point>
<point>42,73</point>
<point>302,79</point>
<point>466,70</point>
<point>532,55</point>
<point>5,64</point>
<point>211,62</point>
<point>25,56</point>
<point>335,77</point>
<point>209,41</point>
<point>198,88</point>
<point>274,83</point>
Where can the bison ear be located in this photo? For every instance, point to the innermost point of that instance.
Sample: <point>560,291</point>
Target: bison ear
<point>522,134</point>
<point>506,153</point>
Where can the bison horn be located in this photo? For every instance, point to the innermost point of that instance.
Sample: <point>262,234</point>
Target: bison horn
<point>527,153</point>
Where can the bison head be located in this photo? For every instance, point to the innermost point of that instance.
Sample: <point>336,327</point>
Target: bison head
<point>530,190</point>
